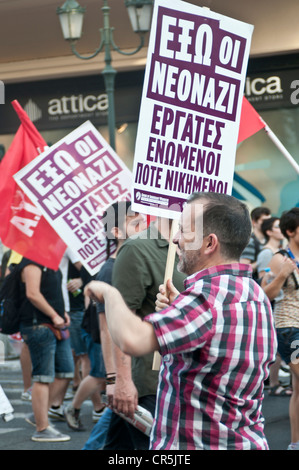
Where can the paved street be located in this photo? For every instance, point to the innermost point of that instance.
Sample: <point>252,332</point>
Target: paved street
<point>15,434</point>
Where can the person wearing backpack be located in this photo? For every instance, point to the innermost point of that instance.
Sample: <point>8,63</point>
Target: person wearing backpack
<point>287,310</point>
<point>274,241</point>
<point>43,326</point>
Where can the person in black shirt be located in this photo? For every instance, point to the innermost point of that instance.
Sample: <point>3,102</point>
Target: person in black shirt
<point>44,329</point>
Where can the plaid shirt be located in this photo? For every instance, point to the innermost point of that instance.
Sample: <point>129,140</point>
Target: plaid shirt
<point>217,340</point>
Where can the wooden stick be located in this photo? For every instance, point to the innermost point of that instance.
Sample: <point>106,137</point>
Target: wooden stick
<point>168,275</point>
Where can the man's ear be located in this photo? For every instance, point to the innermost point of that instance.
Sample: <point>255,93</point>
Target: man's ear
<point>211,243</point>
<point>117,233</point>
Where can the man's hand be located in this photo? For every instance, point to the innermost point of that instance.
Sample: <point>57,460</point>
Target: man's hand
<point>96,290</point>
<point>125,399</point>
<point>166,295</point>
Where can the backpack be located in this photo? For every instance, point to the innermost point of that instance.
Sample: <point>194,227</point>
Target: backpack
<point>10,302</point>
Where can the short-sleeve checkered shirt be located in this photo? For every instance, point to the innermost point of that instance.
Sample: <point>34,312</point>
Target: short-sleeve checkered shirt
<point>217,340</point>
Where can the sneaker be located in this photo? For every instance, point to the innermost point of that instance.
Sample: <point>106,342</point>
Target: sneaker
<point>30,419</point>
<point>49,434</point>
<point>72,419</point>
<point>57,413</point>
<point>294,446</point>
<point>97,414</point>
<point>26,396</point>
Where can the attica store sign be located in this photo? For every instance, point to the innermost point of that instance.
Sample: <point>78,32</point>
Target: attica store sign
<point>273,90</point>
<point>67,103</point>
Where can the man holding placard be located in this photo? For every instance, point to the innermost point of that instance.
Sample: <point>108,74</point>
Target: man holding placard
<point>216,338</point>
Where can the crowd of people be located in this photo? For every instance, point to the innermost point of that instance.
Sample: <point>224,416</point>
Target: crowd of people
<point>223,325</point>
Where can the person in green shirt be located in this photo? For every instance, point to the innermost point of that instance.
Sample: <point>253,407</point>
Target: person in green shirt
<point>138,272</point>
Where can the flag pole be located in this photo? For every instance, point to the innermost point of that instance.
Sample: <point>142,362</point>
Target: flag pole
<point>282,148</point>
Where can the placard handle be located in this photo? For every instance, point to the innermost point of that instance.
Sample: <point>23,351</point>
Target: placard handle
<point>167,275</point>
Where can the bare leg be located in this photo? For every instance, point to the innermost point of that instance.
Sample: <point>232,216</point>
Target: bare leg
<point>40,400</point>
<point>57,391</point>
<point>89,387</point>
<point>26,366</point>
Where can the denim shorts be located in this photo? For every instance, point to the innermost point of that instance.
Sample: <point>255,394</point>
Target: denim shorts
<point>288,344</point>
<point>77,343</point>
<point>94,351</point>
<point>50,357</point>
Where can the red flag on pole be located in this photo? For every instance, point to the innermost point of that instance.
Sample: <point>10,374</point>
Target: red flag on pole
<point>22,227</point>
<point>250,121</point>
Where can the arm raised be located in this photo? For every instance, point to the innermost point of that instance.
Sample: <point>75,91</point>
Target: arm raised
<point>132,335</point>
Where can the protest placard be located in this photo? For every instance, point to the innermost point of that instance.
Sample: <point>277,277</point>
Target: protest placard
<point>190,109</point>
<point>72,183</point>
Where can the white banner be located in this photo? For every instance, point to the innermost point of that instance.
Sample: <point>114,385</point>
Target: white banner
<point>73,182</point>
<point>191,104</point>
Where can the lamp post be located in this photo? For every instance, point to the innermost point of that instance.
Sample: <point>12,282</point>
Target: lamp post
<point>71,20</point>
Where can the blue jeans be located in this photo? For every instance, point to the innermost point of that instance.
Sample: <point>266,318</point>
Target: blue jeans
<point>94,351</point>
<point>122,435</point>
<point>288,344</point>
<point>97,438</point>
<point>77,342</point>
<point>50,357</point>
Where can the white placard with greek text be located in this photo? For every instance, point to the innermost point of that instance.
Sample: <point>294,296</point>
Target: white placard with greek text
<point>191,104</point>
<point>73,182</point>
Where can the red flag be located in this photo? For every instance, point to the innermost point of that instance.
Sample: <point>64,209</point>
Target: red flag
<point>250,121</point>
<point>22,227</point>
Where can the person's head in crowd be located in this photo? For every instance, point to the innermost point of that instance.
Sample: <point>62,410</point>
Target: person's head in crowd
<point>121,222</point>
<point>271,229</point>
<point>289,222</point>
<point>215,229</point>
<point>258,215</point>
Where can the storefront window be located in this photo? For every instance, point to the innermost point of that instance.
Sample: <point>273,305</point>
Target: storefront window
<point>260,164</point>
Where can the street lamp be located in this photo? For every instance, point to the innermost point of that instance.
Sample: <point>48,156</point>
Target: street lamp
<point>71,20</point>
